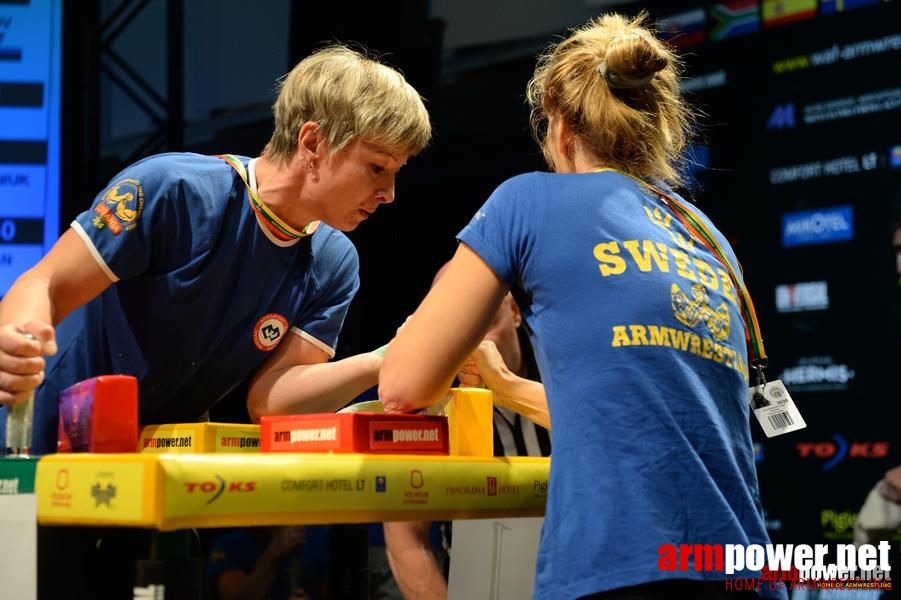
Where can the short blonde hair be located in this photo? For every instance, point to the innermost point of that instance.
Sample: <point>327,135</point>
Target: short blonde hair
<point>616,86</point>
<point>349,96</point>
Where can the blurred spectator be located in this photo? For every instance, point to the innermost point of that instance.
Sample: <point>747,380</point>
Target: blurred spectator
<point>270,563</point>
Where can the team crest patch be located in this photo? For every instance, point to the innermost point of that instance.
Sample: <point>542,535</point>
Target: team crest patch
<point>269,331</point>
<point>120,207</point>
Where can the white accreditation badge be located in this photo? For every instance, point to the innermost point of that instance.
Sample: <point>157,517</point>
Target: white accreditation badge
<point>774,408</point>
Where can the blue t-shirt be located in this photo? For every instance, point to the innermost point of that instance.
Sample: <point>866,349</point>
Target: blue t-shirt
<point>202,293</point>
<point>640,342</point>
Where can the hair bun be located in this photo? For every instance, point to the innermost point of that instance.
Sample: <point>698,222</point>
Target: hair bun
<point>623,82</point>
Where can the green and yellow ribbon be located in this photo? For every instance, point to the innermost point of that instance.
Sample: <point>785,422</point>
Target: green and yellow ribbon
<point>279,228</point>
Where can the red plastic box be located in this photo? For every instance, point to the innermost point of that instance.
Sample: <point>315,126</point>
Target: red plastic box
<point>99,415</point>
<point>363,432</point>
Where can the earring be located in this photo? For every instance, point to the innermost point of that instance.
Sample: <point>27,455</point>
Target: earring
<point>311,170</point>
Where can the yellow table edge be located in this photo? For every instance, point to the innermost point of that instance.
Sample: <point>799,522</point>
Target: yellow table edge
<point>177,491</point>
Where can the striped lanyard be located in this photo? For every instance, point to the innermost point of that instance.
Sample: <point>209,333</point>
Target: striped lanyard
<point>279,228</point>
<point>702,233</point>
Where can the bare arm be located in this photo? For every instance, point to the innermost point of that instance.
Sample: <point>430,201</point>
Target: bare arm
<point>413,561</point>
<point>430,348</point>
<point>299,379</point>
<point>486,367</point>
<point>66,278</point>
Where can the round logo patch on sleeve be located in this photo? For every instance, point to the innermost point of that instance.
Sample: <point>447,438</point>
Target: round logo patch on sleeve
<point>121,207</point>
<point>269,331</point>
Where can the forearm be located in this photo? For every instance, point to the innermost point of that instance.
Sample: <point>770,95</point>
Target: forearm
<point>321,387</point>
<point>523,396</point>
<point>413,561</point>
<point>417,575</point>
<point>66,278</point>
<point>28,299</point>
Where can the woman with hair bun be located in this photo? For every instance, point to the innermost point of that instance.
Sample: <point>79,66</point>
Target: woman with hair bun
<point>633,301</point>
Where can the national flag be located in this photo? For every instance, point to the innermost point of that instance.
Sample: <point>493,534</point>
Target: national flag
<point>830,7</point>
<point>684,28</point>
<point>734,18</point>
<point>782,12</point>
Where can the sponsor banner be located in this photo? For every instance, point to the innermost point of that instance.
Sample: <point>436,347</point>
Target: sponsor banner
<point>837,524</point>
<point>883,100</point>
<point>355,432</point>
<point>785,114</point>
<point>830,55</point>
<point>115,489</point>
<point>177,491</point>
<point>17,476</point>
<point>827,225</point>
<point>470,418</point>
<point>842,165</point>
<point>705,81</point>
<point>797,297</point>
<point>817,374</point>
<point>195,438</point>
<point>832,452</point>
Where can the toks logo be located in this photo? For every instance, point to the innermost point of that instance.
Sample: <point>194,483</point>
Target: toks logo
<point>218,487</point>
<point>840,448</point>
